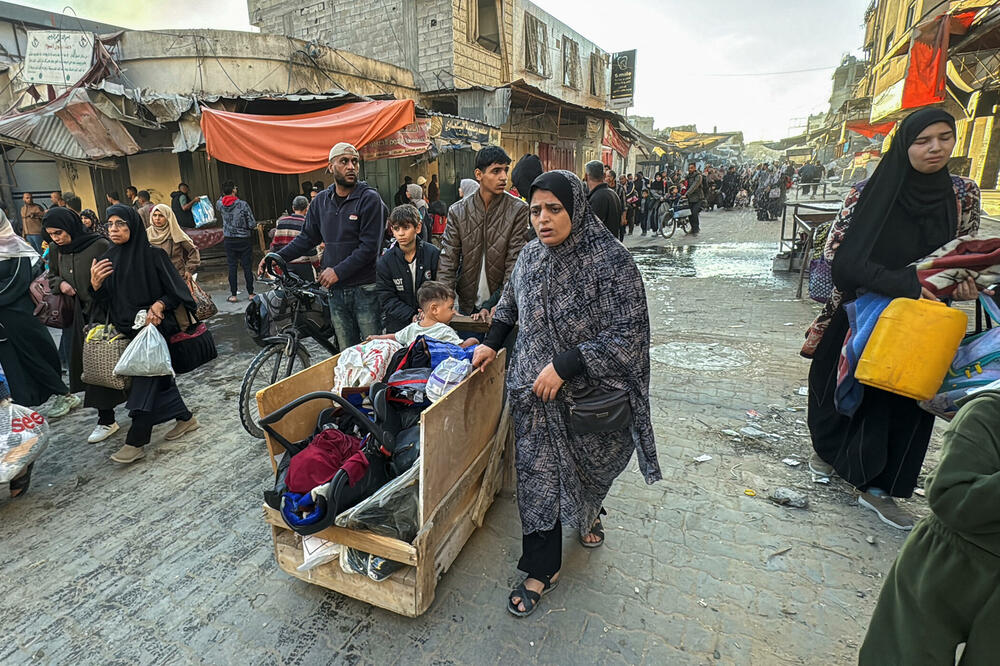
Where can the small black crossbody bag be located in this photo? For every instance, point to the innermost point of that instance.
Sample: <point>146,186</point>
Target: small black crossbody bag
<point>593,408</point>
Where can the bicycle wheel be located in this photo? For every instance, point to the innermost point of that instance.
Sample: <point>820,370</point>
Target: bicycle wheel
<point>268,367</point>
<point>668,225</point>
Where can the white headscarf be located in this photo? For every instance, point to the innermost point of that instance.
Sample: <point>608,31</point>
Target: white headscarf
<point>13,246</point>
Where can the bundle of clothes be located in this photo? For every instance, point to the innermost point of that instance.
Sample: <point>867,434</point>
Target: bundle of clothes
<point>359,468</point>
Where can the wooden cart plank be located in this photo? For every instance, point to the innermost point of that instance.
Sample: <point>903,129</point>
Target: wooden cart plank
<point>396,593</point>
<point>383,546</point>
<point>455,431</point>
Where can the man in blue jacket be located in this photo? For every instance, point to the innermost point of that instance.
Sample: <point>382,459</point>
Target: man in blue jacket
<point>349,217</point>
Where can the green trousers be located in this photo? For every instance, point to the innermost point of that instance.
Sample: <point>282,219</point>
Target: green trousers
<point>942,591</point>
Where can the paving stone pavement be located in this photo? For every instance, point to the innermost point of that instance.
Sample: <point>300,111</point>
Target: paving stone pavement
<point>167,561</point>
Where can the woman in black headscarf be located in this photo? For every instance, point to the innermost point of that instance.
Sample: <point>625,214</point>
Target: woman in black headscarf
<point>92,221</point>
<point>574,334</point>
<point>73,249</point>
<point>130,277</point>
<point>909,207</point>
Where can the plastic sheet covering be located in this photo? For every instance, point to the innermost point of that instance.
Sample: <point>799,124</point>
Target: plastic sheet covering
<point>391,512</point>
<point>24,434</point>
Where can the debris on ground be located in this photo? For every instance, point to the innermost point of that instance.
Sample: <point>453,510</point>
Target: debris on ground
<point>750,492</point>
<point>820,478</point>
<point>870,539</point>
<point>791,462</point>
<point>703,458</point>
<point>919,491</point>
<point>803,390</point>
<point>788,497</point>
<point>754,433</point>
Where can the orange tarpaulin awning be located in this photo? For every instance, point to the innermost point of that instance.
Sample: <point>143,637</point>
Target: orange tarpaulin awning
<point>299,144</point>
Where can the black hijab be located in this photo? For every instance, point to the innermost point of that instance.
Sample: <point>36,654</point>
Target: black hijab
<point>527,169</point>
<point>901,212</point>
<point>142,274</point>
<point>66,219</point>
<point>556,183</point>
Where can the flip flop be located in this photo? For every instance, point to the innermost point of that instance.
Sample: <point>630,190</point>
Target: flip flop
<point>597,529</point>
<point>528,597</point>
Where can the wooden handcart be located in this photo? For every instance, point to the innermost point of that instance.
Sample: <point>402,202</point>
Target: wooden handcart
<point>463,437</point>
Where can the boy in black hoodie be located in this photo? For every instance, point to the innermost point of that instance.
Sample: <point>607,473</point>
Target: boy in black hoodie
<point>403,268</point>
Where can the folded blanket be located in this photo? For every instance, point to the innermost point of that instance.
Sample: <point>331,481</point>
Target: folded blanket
<point>862,315</point>
<point>965,257</point>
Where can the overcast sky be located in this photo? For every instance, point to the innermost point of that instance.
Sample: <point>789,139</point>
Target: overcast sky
<point>708,62</point>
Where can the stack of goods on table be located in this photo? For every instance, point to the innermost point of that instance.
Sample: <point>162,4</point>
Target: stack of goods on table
<point>359,469</point>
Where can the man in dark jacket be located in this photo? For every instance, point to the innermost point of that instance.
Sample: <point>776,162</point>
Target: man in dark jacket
<point>237,223</point>
<point>403,268</point>
<point>349,217</point>
<point>181,202</point>
<point>695,195</point>
<point>603,200</point>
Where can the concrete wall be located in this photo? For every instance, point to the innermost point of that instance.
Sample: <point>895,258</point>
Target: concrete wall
<point>76,178</point>
<point>475,65</point>
<point>553,82</point>
<point>159,173</point>
<point>231,63</point>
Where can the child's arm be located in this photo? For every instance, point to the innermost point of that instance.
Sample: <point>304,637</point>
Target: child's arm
<point>387,336</point>
<point>469,342</point>
<point>965,490</point>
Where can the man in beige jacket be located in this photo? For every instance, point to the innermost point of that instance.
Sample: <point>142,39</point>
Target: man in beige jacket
<point>484,235</point>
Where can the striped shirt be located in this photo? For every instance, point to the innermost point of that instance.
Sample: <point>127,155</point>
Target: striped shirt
<point>286,230</point>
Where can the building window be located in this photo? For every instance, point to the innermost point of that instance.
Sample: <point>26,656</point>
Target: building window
<point>536,45</point>
<point>910,11</point>
<point>484,27</point>
<point>571,63</point>
<point>890,38</point>
<point>597,69</point>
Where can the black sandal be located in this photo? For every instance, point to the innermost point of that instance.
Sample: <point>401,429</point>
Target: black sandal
<point>19,486</point>
<point>528,597</point>
<point>597,529</point>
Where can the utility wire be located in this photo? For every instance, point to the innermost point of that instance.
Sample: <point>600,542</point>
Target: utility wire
<point>790,71</point>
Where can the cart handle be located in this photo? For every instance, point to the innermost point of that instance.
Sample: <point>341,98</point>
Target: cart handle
<point>366,423</point>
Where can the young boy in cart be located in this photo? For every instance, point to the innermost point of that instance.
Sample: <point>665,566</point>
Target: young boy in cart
<point>944,589</point>
<point>437,308</point>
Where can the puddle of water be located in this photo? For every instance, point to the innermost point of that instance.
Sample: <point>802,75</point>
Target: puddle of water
<point>743,261</point>
<point>709,357</point>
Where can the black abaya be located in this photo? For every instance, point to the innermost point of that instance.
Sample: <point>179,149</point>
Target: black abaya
<point>901,216</point>
<point>28,356</point>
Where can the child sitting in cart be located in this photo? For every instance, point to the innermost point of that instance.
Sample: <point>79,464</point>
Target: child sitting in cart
<point>437,307</point>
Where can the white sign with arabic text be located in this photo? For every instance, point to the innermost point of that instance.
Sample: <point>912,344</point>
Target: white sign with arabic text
<point>57,57</point>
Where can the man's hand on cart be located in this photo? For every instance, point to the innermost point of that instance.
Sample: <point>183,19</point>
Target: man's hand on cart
<point>328,277</point>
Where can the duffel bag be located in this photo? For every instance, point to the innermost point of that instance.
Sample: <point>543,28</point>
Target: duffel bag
<point>192,348</point>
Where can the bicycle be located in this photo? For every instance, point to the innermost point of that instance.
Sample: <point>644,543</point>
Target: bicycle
<point>673,217</point>
<point>300,309</point>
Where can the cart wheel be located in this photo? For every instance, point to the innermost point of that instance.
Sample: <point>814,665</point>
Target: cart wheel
<point>268,367</point>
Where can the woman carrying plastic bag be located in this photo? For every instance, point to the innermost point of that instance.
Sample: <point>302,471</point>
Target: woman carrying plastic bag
<point>131,277</point>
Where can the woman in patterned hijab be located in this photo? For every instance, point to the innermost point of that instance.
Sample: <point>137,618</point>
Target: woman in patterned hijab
<point>574,332</point>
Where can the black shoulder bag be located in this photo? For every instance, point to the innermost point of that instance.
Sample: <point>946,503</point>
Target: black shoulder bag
<point>593,408</point>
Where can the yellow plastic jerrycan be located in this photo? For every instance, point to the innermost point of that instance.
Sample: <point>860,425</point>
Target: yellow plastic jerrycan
<point>912,347</point>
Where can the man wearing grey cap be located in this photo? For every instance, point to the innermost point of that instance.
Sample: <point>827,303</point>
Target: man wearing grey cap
<point>349,217</point>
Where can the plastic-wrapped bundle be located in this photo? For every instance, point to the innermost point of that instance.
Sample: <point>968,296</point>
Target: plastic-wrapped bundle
<point>363,364</point>
<point>446,376</point>
<point>24,434</point>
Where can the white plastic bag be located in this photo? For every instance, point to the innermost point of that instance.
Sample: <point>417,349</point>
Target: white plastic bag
<point>203,212</point>
<point>447,375</point>
<point>24,434</point>
<point>147,355</point>
<point>364,364</point>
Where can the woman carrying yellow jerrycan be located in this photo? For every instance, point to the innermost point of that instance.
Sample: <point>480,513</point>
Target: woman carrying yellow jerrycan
<point>910,207</point>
